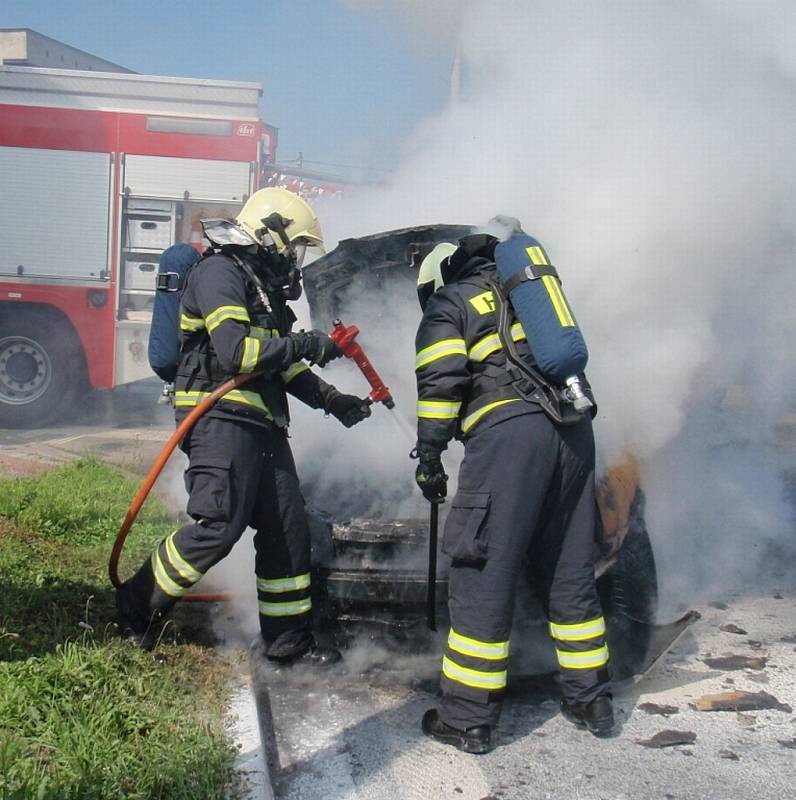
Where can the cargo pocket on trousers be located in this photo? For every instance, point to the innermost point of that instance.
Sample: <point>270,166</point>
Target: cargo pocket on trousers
<point>464,538</point>
<point>209,491</point>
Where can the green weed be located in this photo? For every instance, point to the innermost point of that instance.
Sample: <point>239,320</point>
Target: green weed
<point>83,715</point>
<point>81,503</point>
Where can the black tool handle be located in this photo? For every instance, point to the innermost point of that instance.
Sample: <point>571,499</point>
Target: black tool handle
<point>431,597</point>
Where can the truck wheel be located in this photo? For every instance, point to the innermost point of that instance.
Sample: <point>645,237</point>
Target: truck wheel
<point>41,368</point>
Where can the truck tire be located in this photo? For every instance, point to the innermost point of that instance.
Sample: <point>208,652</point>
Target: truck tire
<point>42,368</point>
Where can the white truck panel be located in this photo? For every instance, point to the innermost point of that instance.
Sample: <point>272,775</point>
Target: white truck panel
<point>159,176</point>
<point>143,94</point>
<point>54,210</point>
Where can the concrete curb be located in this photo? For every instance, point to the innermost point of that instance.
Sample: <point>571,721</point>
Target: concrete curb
<point>262,702</point>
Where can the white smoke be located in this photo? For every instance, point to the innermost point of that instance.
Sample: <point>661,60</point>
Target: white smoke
<point>650,148</point>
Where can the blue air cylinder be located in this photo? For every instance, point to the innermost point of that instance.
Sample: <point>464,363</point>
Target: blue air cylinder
<point>553,335</point>
<point>164,334</point>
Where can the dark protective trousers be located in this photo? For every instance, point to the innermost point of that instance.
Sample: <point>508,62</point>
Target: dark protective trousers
<point>239,475</point>
<point>525,500</point>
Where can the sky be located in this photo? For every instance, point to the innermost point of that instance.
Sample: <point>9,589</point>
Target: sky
<point>343,86</point>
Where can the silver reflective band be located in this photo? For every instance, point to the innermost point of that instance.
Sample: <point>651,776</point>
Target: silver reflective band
<point>590,659</point>
<point>285,609</point>
<point>473,677</point>
<point>276,585</point>
<point>579,631</point>
<point>491,651</point>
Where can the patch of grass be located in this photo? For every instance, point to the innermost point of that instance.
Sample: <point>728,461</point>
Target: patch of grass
<point>99,720</point>
<point>80,503</point>
<point>84,715</point>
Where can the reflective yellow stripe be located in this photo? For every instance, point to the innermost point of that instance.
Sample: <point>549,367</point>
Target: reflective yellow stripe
<point>536,254</point>
<point>277,585</point>
<point>193,398</point>
<point>263,333</point>
<point>293,370</point>
<point>471,420</point>
<point>189,323</point>
<point>491,651</point>
<point>559,303</point>
<point>285,609</point>
<point>162,577</point>
<point>441,349</point>
<point>589,659</point>
<point>484,347</point>
<point>222,313</point>
<point>437,409</point>
<point>179,563</point>
<point>491,344</point>
<point>473,677</point>
<point>251,353</point>
<point>578,631</point>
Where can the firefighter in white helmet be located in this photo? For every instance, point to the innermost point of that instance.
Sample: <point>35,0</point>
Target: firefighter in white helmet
<point>234,319</point>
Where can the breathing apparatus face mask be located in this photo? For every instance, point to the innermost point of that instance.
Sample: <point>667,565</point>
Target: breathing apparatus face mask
<point>280,272</point>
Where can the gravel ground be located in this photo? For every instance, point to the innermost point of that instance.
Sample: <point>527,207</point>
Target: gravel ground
<point>356,736</point>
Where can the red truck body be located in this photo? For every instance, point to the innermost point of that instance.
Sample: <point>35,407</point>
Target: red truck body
<point>99,173</point>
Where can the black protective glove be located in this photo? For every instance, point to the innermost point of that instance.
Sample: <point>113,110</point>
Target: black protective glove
<point>348,408</point>
<point>316,347</point>
<point>430,475</point>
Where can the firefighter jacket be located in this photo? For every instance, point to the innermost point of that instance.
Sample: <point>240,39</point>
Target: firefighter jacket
<point>225,330</point>
<point>462,382</point>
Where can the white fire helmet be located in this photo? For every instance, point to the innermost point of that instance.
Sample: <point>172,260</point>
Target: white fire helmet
<point>299,230</point>
<point>429,276</point>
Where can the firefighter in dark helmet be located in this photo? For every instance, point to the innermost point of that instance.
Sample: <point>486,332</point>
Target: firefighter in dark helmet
<point>234,319</point>
<point>525,500</point>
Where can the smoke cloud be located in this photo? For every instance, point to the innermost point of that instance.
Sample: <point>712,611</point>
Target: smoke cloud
<point>650,148</point>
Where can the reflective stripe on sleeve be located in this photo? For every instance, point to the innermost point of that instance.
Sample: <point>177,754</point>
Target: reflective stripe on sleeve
<point>491,651</point>
<point>589,659</point>
<point>578,631</point>
<point>275,585</point>
<point>291,609</point>
<point>191,324</point>
<point>162,577</point>
<point>441,349</point>
<point>438,409</point>
<point>489,681</point>
<point>185,570</point>
<point>251,354</point>
<point>263,333</point>
<point>471,420</point>
<point>293,370</point>
<point>223,313</point>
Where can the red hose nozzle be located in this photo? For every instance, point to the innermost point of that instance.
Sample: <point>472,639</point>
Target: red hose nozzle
<point>344,337</point>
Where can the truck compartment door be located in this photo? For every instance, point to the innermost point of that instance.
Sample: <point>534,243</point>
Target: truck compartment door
<point>54,213</point>
<point>186,178</point>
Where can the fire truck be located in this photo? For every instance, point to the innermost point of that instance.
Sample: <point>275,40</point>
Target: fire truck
<point>99,173</point>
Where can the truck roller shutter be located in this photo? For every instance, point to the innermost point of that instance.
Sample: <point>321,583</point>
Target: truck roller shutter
<point>54,213</point>
<point>158,176</point>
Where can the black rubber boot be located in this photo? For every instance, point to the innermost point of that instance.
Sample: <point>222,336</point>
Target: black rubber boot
<point>134,624</point>
<point>477,740</point>
<point>287,652</point>
<point>597,716</point>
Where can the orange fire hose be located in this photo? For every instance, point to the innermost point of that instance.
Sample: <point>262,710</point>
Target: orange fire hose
<point>152,476</point>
